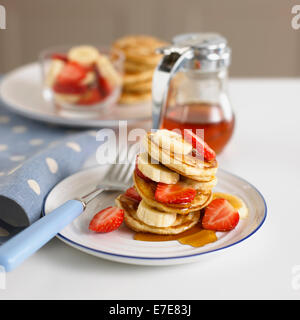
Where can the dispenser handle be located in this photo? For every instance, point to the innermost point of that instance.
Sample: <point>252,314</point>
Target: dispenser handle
<point>174,58</point>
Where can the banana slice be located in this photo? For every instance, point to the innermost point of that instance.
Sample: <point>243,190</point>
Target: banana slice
<point>171,141</point>
<point>156,171</point>
<point>108,71</point>
<point>85,55</point>
<point>54,70</point>
<point>89,78</point>
<point>236,202</point>
<point>153,217</point>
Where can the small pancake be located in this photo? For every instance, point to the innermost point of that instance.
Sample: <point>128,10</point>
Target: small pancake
<point>143,86</point>
<point>130,97</point>
<point>200,186</point>
<point>181,224</point>
<point>186,165</point>
<point>147,191</point>
<point>134,78</point>
<point>134,67</point>
<point>140,48</point>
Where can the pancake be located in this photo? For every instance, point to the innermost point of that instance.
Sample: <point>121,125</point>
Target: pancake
<point>140,49</point>
<point>186,165</point>
<point>134,67</point>
<point>135,78</point>
<point>134,97</point>
<point>139,86</point>
<point>181,224</point>
<point>147,190</point>
<point>200,186</point>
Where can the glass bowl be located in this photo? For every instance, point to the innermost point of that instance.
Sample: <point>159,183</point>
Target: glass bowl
<point>76,88</point>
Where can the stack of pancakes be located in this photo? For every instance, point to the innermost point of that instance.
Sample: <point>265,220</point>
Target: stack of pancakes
<point>140,62</point>
<point>171,163</point>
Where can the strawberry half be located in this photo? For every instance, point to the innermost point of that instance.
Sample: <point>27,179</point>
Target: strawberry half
<point>220,215</point>
<point>71,73</point>
<point>60,56</point>
<point>200,145</point>
<point>133,194</point>
<point>104,86</point>
<point>107,220</point>
<point>69,88</point>
<point>174,193</point>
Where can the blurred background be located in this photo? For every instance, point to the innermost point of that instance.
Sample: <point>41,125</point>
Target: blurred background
<point>259,31</point>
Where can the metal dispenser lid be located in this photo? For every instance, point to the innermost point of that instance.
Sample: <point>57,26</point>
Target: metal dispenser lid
<point>211,52</point>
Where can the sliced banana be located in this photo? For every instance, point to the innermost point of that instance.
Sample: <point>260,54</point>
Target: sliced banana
<point>85,55</point>
<point>153,217</point>
<point>108,71</point>
<point>236,202</point>
<point>89,78</point>
<point>156,171</point>
<point>68,98</point>
<point>54,70</point>
<point>171,141</point>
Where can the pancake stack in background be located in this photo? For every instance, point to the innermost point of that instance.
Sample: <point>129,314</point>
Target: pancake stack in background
<point>140,63</point>
<point>172,184</point>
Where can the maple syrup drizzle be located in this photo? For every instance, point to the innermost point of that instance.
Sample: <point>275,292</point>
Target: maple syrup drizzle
<point>195,237</point>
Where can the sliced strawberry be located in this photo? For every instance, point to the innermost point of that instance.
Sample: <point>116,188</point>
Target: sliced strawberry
<point>220,215</point>
<point>200,145</point>
<point>71,73</point>
<point>69,88</point>
<point>90,97</point>
<point>139,172</point>
<point>104,86</point>
<point>174,193</point>
<point>60,56</point>
<point>133,194</point>
<point>107,220</point>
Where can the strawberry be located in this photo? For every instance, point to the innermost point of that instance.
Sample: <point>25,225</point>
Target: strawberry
<point>220,215</point>
<point>104,86</point>
<point>200,145</point>
<point>69,88</point>
<point>133,194</point>
<point>174,193</point>
<point>60,56</point>
<point>139,172</point>
<point>72,73</point>
<point>90,97</point>
<point>107,220</point>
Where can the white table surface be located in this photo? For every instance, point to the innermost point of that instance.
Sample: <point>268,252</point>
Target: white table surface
<point>265,150</point>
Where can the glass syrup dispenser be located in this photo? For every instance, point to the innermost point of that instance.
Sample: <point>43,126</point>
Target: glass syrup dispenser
<point>190,88</point>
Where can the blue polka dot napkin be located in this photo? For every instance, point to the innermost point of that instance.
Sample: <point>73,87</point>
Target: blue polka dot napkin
<point>34,157</point>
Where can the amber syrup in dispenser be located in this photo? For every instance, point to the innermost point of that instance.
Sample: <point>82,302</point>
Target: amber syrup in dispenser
<point>202,115</point>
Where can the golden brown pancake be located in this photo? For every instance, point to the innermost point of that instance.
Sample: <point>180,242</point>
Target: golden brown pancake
<point>147,191</point>
<point>181,224</point>
<point>186,165</point>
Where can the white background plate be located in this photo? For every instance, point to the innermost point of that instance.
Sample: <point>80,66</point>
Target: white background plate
<point>120,246</point>
<point>21,90</point>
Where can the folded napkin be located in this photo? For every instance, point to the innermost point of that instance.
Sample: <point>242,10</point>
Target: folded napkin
<point>34,157</point>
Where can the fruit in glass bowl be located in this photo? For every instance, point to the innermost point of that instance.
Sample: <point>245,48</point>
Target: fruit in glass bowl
<point>81,77</point>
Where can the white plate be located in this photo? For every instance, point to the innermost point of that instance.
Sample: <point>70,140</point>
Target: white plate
<point>21,91</point>
<point>120,245</point>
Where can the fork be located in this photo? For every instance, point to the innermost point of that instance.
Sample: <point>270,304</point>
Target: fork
<point>25,243</point>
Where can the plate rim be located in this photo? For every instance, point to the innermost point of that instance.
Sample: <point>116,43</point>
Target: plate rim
<point>61,121</point>
<point>84,248</point>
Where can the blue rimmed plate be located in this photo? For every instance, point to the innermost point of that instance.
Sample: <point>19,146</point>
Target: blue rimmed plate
<point>121,247</point>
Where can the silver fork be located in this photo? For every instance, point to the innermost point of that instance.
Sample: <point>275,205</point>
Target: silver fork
<point>16,250</point>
